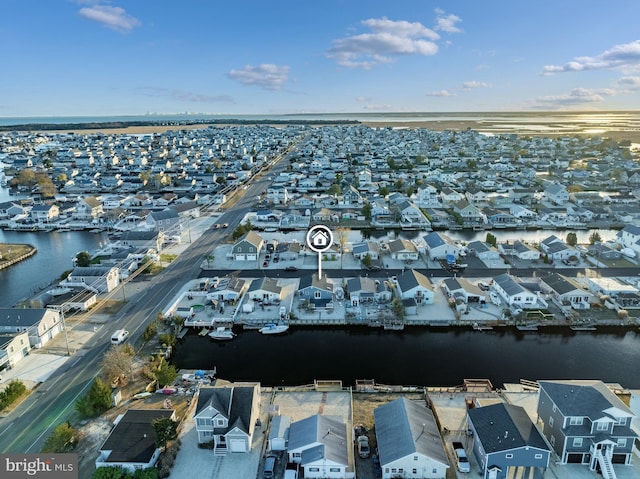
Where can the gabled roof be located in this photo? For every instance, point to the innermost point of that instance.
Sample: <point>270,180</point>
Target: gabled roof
<point>589,398</point>
<point>501,427</point>
<point>265,284</point>
<point>401,245</point>
<point>234,403</point>
<point>631,229</point>
<point>251,237</point>
<point>314,282</point>
<point>412,278</point>
<point>361,283</point>
<point>139,235</point>
<point>562,284</point>
<point>164,214</point>
<point>132,440</point>
<point>508,284</point>
<point>329,431</point>
<point>405,427</point>
<point>23,317</point>
<point>436,239</point>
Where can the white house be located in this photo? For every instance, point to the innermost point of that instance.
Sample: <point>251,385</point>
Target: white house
<point>557,194</point>
<point>414,285</point>
<point>13,347</point>
<point>402,249</point>
<point>265,290</point>
<point>409,441</point>
<point>320,445</point>
<point>42,325</point>
<point>513,292</point>
<point>439,246</point>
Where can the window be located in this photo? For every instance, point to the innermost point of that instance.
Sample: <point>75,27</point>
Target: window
<point>314,469</point>
<point>553,440</point>
<point>334,469</point>
<point>577,442</point>
<point>538,456</point>
<point>550,421</point>
<point>554,408</point>
<point>620,421</point>
<point>317,295</point>
<point>433,471</point>
<point>622,442</point>
<point>415,458</point>
<point>509,456</point>
<point>393,470</point>
<point>220,422</point>
<point>575,421</point>
<point>602,426</point>
<point>414,471</point>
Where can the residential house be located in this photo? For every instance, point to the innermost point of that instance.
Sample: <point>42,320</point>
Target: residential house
<point>449,195</point>
<point>10,209</point>
<point>603,251</point>
<point>519,249</point>
<point>483,251</point>
<point>557,194</point>
<point>586,423</point>
<point>103,279</point>
<point>464,291</point>
<point>265,290</point>
<point>44,213</point>
<point>439,246</point>
<point>513,292</point>
<point>556,249</point>
<point>428,197</point>
<point>131,444</point>
<point>226,417</point>
<point>88,208</point>
<point>367,290</point>
<point>629,237</point>
<point>13,347</point>
<point>165,221</point>
<point>468,211</point>
<point>41,325</point>
<point>414,285</point>
<point>278,195</point>
<point>317,291</point>
<point>404,250</point>
<point>506,443</point>
<point>409,442</point>
<point>143,240</point>
<point>230,290</point>
<point>567,291</point>
<point>371,248</point>
<point>288,251</point>
<point>320,445</point>
<point>187,209</point>
<point>248,247</point>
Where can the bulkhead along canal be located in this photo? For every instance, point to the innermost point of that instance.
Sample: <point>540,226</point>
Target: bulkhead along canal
<point>418,356</point>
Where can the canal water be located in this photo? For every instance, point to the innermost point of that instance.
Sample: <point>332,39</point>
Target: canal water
<point>418,356</point>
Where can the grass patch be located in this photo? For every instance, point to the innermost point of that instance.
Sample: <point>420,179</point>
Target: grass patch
<point>168,258</point>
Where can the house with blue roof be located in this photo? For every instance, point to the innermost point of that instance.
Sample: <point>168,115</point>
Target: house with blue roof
<point>506,443</point>
<point>439,245</point>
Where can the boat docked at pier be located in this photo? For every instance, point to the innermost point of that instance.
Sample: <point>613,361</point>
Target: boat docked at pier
<point>272,328</point>
<point>222,334</point>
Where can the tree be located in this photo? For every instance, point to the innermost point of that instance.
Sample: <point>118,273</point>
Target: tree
<point>367,261</point>
<point>117,361</point>
<point>595,238</point>
<point>110,472</point>
<point>572,239</point>
<point>342,235</point>
<point>383,191</point>
<point>334,190</point>
<point>83,259</point>
<point>366,211</point>
<point>164,372</point>
<point>63,439</point>
<point>492,240</point>
<point>397,308</point>
<point>96,401</point>
<point>166,430</point>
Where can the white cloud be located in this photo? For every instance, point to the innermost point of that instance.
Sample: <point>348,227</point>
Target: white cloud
<point>624,57</point>
<point>577,96</point>
<point>184,95</point>
<point>380,107</point>
<point>266,75</point>
<point>447,23</point>
<point>471,85</point>
<point>628,84</point>
<point>441,93</point>
<point>387,39</point>
<point>115,18</point>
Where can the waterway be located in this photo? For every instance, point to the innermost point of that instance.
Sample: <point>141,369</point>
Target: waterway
<point>418,356</point>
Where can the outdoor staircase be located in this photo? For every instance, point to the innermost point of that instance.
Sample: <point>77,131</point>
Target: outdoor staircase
<point>220,450</point>
<point>606,467</point>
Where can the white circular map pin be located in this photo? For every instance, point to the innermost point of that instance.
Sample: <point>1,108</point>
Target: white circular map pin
<point>319,240</point>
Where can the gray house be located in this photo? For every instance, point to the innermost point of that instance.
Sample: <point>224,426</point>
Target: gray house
<point>318,291</point>
<point>586,423</point>
<point>248,247</point>
<point>506,443</point>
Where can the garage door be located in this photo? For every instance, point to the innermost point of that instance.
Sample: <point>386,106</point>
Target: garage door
<point>251,257</point>
<point>237,445</point>
<point>240,257</point>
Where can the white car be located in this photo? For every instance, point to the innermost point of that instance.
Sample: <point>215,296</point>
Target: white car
<point>495,299</point>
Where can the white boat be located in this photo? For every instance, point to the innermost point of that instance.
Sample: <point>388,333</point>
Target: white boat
<point>222,334</point>
<point>272,328</point>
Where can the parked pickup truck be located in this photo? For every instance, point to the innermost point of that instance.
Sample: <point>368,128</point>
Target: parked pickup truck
<point>462,461</point>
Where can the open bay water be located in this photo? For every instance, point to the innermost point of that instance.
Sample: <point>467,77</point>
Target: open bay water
<point>418,356</point>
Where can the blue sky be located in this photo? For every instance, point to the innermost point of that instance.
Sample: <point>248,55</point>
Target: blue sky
<point>126,57</point>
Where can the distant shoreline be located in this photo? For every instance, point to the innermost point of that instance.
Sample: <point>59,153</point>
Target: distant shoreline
<point>553,125</point>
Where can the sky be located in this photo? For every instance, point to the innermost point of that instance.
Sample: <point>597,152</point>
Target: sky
<point>132,57</point>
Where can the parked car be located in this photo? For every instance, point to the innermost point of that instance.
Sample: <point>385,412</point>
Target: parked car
<point>363,447</point>
<point>225,225</point>
<point>265,264</point>
<point>290,268</point>
<point>484,286</point>
<point>374,268</point>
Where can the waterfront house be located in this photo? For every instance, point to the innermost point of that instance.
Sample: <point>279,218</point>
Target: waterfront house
<point>463,290</point>
<point>483,251</point>
<point>165,221</point>
<point>603,251</point>
<point>265,290</point>
<point>229,290</point>
<point>506,443</point>
<point>142,239</point>
<point>567,291</point>
<point>409,442</point>
<point>371,248</point>
<point>41,325</point>
<point>99,279</point>
<point>287,251</point>
<point>317,291</point>
<point>319,444</point>
<point>226,417</point>
<point>10,209</point>
<point>439,246</point>
<point>13,347</point>
<point>586,423</point>
<point>248,247</point>
<point>403,250</point>
<point>367,290</point>
<point>414,285</point>
<point>44,213</point>
<point>519,250</point>
<point>513,292</point>
<point>556,194</point>
<point>131,444</point>
<point>629,237</point>
<point>88,208</point>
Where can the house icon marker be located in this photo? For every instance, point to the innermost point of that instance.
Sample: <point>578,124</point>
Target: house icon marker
<point>319,239</point>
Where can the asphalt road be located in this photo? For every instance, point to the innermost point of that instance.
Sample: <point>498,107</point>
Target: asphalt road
<point>27,427</point>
